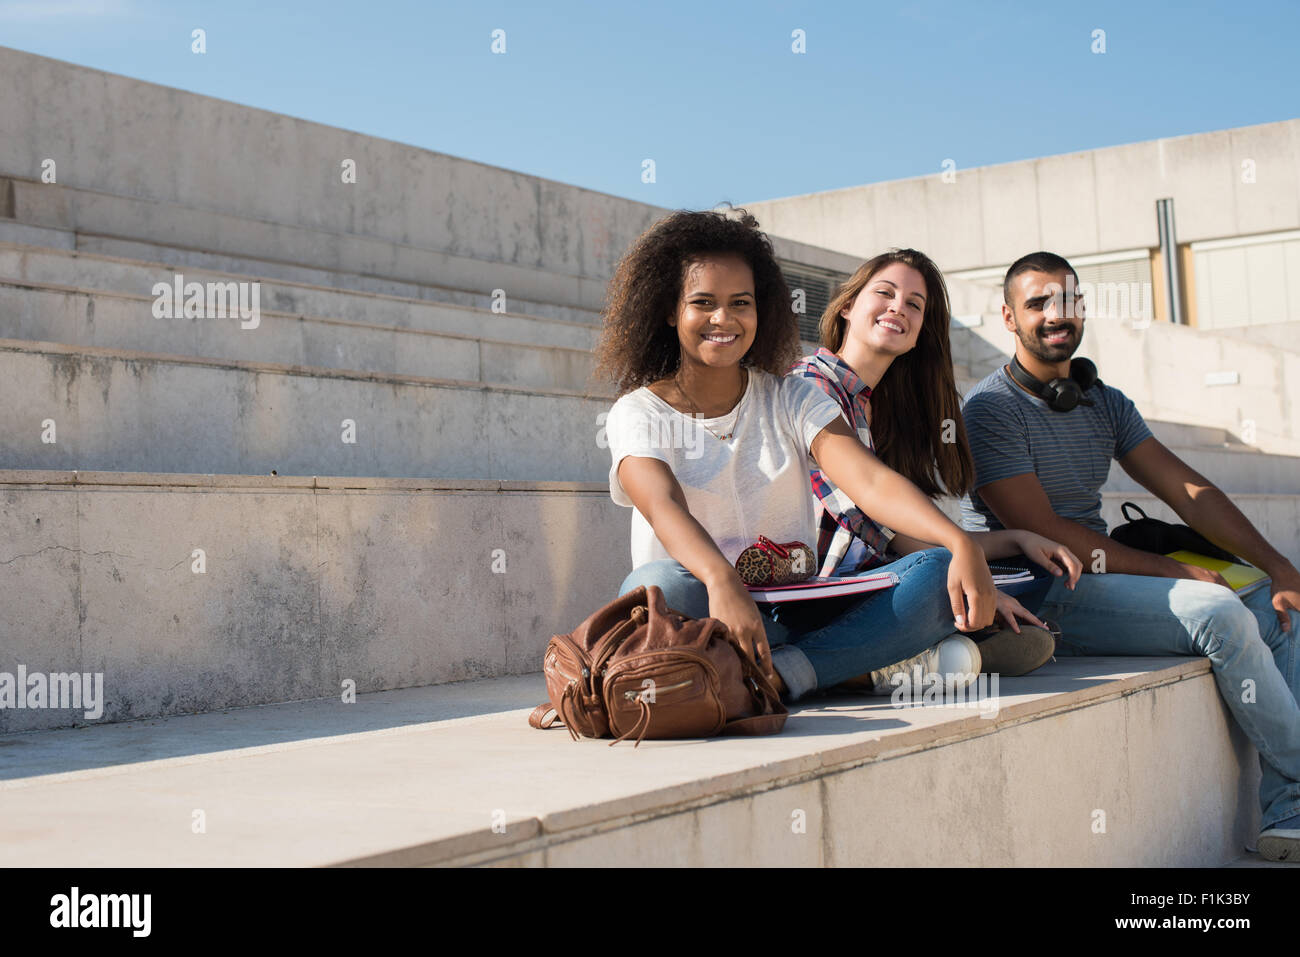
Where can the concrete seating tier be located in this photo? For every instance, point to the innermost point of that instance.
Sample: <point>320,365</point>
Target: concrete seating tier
<point>1101,762</point>
<point>118,410</point>
<point>37,268</point>
<point>110,223</point>
<point>130,411</point>
<point>125,323</point>
<point>177,258</point>
<point>305,582</point>
<point>1233,469</point>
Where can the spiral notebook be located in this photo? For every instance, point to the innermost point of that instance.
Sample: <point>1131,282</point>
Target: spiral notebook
<point>811,588</point>
<point>823,587</point>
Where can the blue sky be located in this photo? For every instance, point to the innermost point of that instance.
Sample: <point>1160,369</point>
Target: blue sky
<point>711,91</point>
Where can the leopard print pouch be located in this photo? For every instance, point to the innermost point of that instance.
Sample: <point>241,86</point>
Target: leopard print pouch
<point>767,563</point>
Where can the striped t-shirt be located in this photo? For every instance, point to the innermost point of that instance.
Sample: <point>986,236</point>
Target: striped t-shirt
<point>1012,432</point>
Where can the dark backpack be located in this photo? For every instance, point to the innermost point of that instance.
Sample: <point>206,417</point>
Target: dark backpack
<point>1153,535</point>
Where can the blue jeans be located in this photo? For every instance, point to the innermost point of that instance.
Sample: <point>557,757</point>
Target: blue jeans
<point>1254,660</point>
<point>821,642</point>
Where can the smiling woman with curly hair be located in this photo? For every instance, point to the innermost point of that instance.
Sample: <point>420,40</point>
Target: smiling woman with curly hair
<point>712,446</point>
<point>639,347</point>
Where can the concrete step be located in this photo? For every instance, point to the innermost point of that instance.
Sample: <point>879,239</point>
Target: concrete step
<point>402,307</point>
<point>173,258</point>
<point>477,297</point>
<point>75,317</point>
<point>310,581</point>
<point>118,410</point>
<point>1276,516</point>
<point>305,583</point>
<point>565,277</point>
<point>1092,762</point>
<point>1283,336</point>
<point>1235,470</point>
<point>1184,435</point>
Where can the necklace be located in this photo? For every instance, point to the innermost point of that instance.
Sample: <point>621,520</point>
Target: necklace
<point>700,414</point>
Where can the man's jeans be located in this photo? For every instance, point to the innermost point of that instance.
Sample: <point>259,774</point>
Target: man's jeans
<point>820,642</point>
<point>1254,660</point>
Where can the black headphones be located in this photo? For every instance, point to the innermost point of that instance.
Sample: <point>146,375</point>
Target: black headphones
<point>1061,395</point>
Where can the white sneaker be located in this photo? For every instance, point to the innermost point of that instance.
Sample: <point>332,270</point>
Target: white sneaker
<point>956,657</point>
<point>960,661</point>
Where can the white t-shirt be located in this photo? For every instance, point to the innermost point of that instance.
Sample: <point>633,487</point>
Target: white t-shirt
<point>754,483</point>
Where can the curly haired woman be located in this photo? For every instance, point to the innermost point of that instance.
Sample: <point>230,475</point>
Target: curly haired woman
<point>711,447</point>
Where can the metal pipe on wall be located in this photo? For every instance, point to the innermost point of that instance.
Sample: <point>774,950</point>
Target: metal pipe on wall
<point>1169,258</point>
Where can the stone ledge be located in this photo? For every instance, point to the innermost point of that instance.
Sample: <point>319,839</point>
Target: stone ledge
<point>179,480</point>
<point>285,369</point>
<point>64,240</point>
<point>42,286</point>
<point>415,777</point>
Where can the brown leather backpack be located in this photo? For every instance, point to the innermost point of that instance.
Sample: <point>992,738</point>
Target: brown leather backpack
<point>636,667</point>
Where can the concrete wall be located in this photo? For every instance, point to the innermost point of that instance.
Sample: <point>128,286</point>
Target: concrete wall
<point>308,582</point>
<point>1097,201</point>
<point>133,162</point>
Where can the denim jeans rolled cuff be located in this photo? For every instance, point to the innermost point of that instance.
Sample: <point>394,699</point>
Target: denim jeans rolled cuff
<point>795,670</point>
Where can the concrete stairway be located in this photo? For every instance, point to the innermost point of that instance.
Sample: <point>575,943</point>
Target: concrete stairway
<point>151,543</point>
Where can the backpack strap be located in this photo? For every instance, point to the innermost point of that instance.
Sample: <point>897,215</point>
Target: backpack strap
<point>772,713</point>
<point>757,724</point>
<point>544,717</point>
<point>1127,517</point>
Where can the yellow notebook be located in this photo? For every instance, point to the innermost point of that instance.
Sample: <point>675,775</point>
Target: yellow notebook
<point>1243,579</point>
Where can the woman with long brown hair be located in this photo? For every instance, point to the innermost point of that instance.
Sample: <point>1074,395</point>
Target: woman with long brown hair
<point>886,358</point>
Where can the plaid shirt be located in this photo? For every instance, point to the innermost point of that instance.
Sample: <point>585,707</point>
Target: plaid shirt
<point>848,541</point>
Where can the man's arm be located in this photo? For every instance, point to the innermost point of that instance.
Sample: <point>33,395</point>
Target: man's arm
<point>1200,504</point>
<point>1020,502</point>
<point>1203,506</point>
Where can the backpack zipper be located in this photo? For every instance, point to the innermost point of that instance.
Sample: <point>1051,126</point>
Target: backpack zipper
<point>633,695</point>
